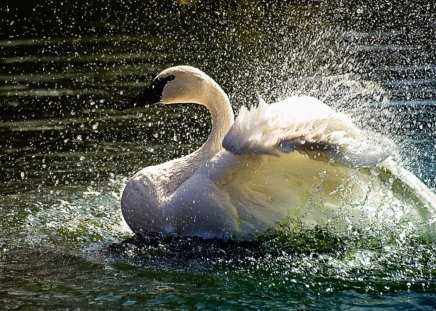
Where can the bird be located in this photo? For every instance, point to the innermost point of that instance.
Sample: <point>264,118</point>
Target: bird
<point>296,159</point>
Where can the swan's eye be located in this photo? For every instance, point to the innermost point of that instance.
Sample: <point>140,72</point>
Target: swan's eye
<point>159,83</point>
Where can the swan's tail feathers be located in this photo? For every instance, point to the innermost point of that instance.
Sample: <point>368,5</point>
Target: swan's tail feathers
<point>304,124</point>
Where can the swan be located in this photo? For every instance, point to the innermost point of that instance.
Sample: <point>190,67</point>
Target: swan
<point>294,159</point>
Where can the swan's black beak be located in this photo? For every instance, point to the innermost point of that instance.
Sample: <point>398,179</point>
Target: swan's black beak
<point>144,99</point>
<point>149,96</point>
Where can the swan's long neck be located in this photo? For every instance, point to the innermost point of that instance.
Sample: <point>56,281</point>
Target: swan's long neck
<point>151,188</point>
<point>222,118</point>
<point>177,171</point>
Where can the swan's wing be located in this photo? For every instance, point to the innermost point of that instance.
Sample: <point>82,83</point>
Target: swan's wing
<point>406,183</point>
<point>241,196</point>
<point>307,125</point>
<point>244,190</point>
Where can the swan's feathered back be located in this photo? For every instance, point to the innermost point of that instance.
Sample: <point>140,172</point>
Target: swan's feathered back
<point>301,124</point>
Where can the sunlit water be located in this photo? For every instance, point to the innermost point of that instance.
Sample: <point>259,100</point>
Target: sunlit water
<point>66,153</point>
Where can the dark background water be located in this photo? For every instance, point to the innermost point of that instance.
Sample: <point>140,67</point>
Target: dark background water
<point>65,152</point>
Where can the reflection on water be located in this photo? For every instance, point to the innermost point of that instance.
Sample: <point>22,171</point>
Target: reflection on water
<point>65,152</point>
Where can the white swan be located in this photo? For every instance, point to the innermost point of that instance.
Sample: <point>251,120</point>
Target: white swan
<point>293,159</point>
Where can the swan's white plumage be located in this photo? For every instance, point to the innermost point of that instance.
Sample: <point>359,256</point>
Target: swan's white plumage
<point>302,123</point>
<point>293,159</point>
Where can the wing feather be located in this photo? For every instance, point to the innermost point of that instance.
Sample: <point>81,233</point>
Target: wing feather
<point>241,196</point>
<point>307,125</point>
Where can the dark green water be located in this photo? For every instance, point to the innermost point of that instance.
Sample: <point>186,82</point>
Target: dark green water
<point>66,153</point>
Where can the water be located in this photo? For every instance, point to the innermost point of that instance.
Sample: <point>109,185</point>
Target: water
<point>66,153</point>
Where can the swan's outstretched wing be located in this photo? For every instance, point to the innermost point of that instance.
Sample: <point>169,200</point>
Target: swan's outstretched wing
<point>307,125</point>
<point>258,181</point>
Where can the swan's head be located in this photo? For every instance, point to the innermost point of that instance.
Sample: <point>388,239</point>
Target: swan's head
<point>180,84</point>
